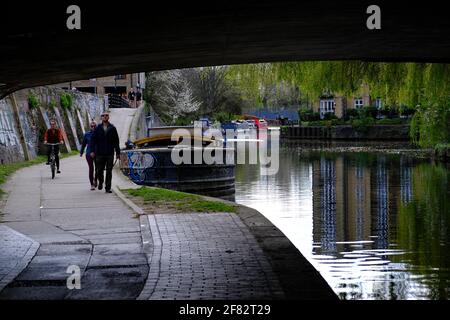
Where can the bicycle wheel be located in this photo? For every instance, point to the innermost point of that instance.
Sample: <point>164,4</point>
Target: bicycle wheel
<point>53,170</point>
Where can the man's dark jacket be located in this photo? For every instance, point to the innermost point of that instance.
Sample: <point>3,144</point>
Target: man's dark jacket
<point>104,144</point>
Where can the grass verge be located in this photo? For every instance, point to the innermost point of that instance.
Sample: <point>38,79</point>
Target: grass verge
<point>8,169</point>
<point>180,201</point>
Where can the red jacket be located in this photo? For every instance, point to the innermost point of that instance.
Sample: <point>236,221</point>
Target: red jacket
<point>53,136</point>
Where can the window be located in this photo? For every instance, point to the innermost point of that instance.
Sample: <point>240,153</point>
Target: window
<point>358,103</point>
<point>120,77</point>
<point>378,103</point>
<point>326,106</point>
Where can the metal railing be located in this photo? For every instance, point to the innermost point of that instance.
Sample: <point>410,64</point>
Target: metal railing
<point>116,101</point>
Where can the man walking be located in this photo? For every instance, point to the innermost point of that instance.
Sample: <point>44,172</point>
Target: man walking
<point>131,97</point>
<point>138,98</point>
<point>104,142</point>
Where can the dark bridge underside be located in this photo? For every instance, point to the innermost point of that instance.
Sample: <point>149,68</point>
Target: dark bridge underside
<point>37,49</point>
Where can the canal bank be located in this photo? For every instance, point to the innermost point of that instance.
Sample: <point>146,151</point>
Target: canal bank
<point>228,255</point>
<point>290,275</point>
<point>348,132</point>
<point>270,255</point>
<point>307,146</point>
<point>124,255</point>
<point>393,139</point>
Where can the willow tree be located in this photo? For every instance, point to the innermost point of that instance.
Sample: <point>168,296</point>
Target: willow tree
<point>424,86</point>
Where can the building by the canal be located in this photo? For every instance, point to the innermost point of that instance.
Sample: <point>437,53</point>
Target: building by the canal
<point>118,84</point>
<point>339,104</point>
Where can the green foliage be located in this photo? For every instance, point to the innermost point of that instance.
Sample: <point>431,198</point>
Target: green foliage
<point>66,100</point>
<point>337,122</point>
<point>33,101</point>
<point>320,123</point>
<point>392,111</point>
<point>367,112</point>
<point>312,123</point>
<point>223,116</point>
<point>307,114</point>
<point>184,202</point>
<point>233,103</point>
<point>442,150</point>
<point>397,84</point>
<point>392,121</point>
<point>362,125</point>
<point>52,103</point>
<point>352,113</point>
<point>198,205</point>
<point>329,116</point>
<point>7,169</point>
<point>156,194</point>
<point>284,129</point>
<point>406,110</point>
<point>430,123</point>
<point>183,121</point>
<point>281,94</point>
<point>403,88</point>
<point>249,78</point>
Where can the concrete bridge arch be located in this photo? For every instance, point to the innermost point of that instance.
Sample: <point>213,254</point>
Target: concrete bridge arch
<point>36,48</point>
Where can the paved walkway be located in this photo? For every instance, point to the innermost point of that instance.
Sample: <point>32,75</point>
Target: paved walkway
<point>16,252</point>
<point>73,226</point>
<point>207,256</point>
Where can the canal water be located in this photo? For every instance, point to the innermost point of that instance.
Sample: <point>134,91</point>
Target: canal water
<point>375,225</point>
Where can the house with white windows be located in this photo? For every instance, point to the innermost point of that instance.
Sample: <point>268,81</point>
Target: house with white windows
<point>338,105</point>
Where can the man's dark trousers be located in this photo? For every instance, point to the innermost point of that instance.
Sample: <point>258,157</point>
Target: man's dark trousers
<point>49,151</point>
<point>100,164</point>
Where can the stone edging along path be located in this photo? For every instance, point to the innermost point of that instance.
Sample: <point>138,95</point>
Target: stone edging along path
<point>298,279</point>
<point>23,249</point>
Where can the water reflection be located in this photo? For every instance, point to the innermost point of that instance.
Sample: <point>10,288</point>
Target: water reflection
<point>375,225</point>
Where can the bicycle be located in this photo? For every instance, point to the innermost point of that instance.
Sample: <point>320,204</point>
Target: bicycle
<point>53,158</point>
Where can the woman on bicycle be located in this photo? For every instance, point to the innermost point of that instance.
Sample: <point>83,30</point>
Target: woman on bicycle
<point>53,135</point>
<point>90,161</point>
